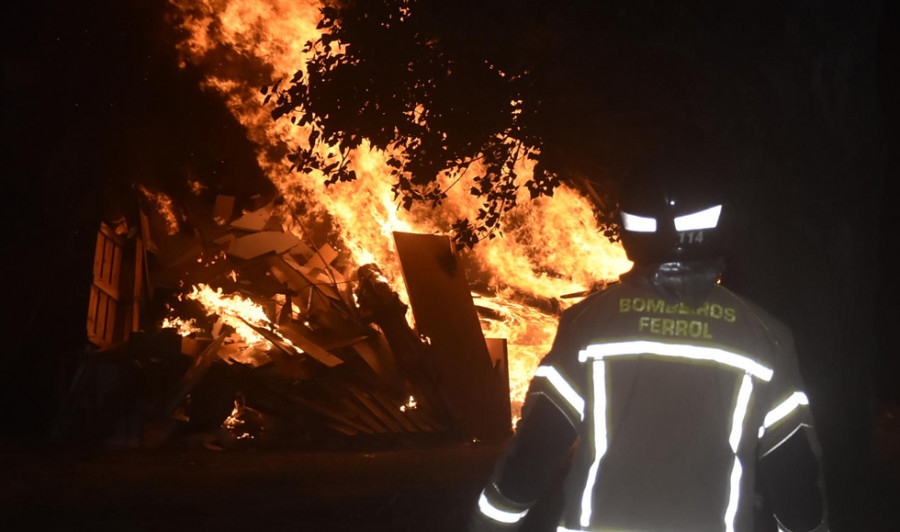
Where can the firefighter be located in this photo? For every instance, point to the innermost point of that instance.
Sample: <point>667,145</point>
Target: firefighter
<point>670,397</point>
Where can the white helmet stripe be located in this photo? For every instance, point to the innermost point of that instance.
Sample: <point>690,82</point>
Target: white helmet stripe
<point>638,224</point>
<point>705,219</point>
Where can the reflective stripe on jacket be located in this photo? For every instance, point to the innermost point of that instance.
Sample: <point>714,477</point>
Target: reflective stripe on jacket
<point>672,406</point>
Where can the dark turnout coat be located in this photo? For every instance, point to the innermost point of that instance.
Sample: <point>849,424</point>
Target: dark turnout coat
<point>673,409</point>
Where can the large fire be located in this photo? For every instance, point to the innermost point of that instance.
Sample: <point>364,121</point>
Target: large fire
<point>550,247</point>
<point>233,310</point>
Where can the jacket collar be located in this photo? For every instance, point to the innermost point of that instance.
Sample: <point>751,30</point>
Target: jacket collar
<point>688,282</point>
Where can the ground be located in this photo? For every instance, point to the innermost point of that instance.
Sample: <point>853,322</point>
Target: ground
<point>414,489</point>
<point>407,488</point>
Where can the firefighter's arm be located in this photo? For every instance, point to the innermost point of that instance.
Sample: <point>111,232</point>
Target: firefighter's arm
<point>789,461</point>
<point>791,481</point>
<point>532,458</point>
<point>789,456</point>
<point>554,410</point>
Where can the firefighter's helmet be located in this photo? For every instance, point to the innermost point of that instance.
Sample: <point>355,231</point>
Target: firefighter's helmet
<point>672,211</point>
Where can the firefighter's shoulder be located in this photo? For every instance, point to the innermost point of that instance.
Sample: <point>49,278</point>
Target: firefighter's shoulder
<point>774,327</point>
<point>599,295</point>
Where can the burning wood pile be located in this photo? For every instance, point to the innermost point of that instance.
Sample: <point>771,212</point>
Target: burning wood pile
<point>230,327</point>
<point>238,309</point>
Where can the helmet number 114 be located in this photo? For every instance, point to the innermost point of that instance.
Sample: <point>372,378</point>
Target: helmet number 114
<point>690,237</point>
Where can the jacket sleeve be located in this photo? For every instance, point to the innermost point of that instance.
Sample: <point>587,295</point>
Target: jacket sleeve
<point>531,461</point>
<point>790,475</point>
<point>551,417</point>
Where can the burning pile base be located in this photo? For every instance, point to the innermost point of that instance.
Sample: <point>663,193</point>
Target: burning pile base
<point>294,344</point>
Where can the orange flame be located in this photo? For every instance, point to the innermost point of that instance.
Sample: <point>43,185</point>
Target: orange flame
<point>411,404</point>
<point>550,247</point>
<point>184,328</point>
<point>166,208</point>
<point>235,311</point>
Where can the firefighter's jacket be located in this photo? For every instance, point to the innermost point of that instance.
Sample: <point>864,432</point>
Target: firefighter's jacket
<point>671,407</point>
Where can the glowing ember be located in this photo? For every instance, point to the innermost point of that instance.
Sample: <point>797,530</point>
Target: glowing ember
<point>166,208</point>
<point>184,328</point>
<point>235,424</point>
<point>411,404</point>
<point>233,420</point>
<point>550,247</point>
<point>197,187</point>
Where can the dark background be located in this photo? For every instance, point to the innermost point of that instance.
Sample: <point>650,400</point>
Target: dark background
<point>806,106</point>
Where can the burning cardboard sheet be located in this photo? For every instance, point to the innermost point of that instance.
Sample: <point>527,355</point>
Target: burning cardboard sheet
<point>445,314</point>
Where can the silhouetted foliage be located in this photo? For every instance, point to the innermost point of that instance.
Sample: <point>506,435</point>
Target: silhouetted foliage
<point>583,88</point>
<point>580,88</point>
<point>409,76</point>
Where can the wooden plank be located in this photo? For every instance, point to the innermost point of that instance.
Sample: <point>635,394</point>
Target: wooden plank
<point>413,415</point>
<point>110,234</point>
<point>319,269</point>
<point>271,399</point>
<point>100,324</point>
<point>445,313</point>
<point>322,257</point>
<point>107,262</point>
<point>302,252</point>
<point>366,415</point>
<point>145,269</point>
<point>255,220</point>
<point>389,421</point>
<point>102,307</point>
<point>109,328</point>
<point>104,330</point>
<point>92,313</point>
<point>375,358</point>
<point>392,407</point>
<point>147,233</point>
<point>309,285</point>
<point>426,416</point>
<point>296,334</point>
<point>260,243</point>
<point>138,284</point>
<point>286,274</point>
<point>103,304</point>
<point>500,358</point>
<point>116,270</point>
<point>320,406</point>
<point>192,376</point>
<point>223,209</point>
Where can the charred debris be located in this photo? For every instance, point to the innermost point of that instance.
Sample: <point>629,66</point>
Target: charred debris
<point>292,346</point>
